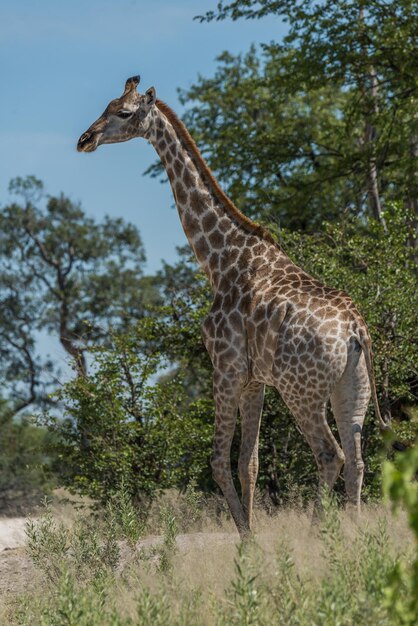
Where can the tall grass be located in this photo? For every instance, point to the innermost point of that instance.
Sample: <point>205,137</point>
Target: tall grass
<point>95,572</point>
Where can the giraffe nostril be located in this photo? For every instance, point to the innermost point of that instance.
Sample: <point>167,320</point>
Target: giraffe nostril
<point>82,143</point>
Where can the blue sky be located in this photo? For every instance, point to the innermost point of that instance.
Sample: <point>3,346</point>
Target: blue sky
<point>60,64</point>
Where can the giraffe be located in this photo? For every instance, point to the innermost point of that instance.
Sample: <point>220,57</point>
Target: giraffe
<point>270,322</point>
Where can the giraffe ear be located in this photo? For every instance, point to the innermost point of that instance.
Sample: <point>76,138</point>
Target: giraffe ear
<point>150,96</point>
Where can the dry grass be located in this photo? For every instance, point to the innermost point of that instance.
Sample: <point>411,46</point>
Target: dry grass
<point>191,569</point>
<point>205,556</point>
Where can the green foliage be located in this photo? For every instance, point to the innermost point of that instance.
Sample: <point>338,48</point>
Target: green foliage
<point>121,429</point>
<point>280,151</point>
<point>334,103</point>
<point>25,466</point>
<point>88,549</point>
<point>400,486</point>
<point>47,544</point>
<point>401,490</point>
<point>166,551</point>
<point>244,598</point>
<point>125,516</point>
<point>70,605</point>
<point>153,610</point>
<point>194,501</point>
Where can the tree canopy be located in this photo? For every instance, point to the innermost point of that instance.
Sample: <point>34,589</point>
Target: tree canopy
<point>334,104</point>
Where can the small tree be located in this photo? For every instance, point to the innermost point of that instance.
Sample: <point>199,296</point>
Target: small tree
<point>400,488</point>
<point>64,273</point>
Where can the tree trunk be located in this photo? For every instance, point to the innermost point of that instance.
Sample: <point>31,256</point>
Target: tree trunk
<point>68,342</point>
<point>412,200</point>
<point>369,88</point>
<point>369,145</point>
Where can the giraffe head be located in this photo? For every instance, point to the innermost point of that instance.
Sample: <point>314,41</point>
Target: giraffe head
<point>124,118</point>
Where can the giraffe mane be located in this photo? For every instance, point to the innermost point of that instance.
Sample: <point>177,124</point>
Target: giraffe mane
<point>189,143</point>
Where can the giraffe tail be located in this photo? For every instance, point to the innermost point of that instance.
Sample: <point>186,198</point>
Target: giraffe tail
<point>366,345</point>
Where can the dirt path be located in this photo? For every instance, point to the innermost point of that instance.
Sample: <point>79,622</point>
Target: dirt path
<point>16,569</point>
<point>12,533</point>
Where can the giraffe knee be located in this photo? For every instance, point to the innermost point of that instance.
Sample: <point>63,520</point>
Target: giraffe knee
<point>354,468</point>
<point>340,457</point>
<point>332,457</point>
<point>360,467</point>
<point>219,471</point>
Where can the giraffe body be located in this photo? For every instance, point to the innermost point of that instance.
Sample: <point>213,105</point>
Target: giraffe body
<point>270,323</point>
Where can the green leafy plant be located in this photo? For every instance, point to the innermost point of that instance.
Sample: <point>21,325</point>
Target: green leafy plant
<point>88,549</point>
<point>401,491</point>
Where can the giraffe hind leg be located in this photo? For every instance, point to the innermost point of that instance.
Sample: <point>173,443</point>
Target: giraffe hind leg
<point>328,455</point>
<point>250,407</point>
<point>349,402</point>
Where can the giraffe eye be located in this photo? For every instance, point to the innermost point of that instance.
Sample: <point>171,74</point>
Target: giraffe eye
<point>124,114</point>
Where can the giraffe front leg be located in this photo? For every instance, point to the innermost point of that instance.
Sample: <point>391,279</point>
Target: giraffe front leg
<point>250,407</point>
<point>227,390</point>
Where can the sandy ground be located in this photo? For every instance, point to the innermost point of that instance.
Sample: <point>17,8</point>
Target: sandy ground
<point>16,569</point>
<point>12,533</point>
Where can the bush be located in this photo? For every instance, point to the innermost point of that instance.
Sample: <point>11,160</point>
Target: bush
<point>25,466</point>
<point>120,429</point>
<point>401,490</point>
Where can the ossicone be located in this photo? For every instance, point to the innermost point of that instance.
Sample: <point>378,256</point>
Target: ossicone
<point>131,84</point>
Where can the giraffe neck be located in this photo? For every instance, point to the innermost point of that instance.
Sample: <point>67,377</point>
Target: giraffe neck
<point>212,224</point>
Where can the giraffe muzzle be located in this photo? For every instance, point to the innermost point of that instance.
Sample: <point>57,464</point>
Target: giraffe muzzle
<point>87,143</point>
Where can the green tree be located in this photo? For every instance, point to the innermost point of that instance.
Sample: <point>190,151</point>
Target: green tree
<point>279,149</point>
<point>23,373</point>
<point>63,273</point>
<point>365,54</point>
<point>175,326</point>
<point>400,488</point>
